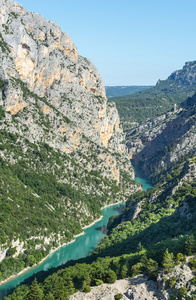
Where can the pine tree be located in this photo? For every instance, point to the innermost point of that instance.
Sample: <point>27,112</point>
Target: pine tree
<point>168,261</point>
<point>35,292</point>
<point>124,271</point>
<point>49,297</point>
<point>152,269</point>
<point>190,245</point>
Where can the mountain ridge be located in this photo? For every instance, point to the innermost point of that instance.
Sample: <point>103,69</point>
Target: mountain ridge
<point>149,104</point>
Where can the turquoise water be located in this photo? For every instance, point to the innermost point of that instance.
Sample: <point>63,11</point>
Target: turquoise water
<point>144,182</point>
<point>82,246</point>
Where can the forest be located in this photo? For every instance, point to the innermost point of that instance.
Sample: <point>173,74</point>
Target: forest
<point>159,238</point>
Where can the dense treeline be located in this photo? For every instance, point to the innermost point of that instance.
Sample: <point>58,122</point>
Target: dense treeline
<point>65,282</point>
<point>116,91</point>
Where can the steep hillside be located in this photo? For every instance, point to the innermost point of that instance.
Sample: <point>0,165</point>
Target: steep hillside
<point>62,150</point>
<point>154,146</point>
<point>140,106</point>
<point>152,237</point>
<point>155,233</point>
<point>186,76</point>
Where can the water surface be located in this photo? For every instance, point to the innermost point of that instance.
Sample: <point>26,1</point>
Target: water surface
<point>144,182</point>
<point>81,247</point>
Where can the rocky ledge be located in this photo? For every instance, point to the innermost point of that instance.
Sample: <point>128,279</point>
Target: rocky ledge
<point>140,287</point>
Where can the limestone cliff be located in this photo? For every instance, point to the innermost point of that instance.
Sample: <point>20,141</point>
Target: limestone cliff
<point>47,61</point>
<point>60,138</point>
<point>160,142</point>
<point>187,75</point>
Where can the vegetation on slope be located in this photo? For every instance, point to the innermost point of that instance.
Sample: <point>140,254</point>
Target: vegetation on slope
<point>150,103</point>
<point>46,189</point>
<point>160,236</point>
<point>36,186</point>
<point>116,91</point>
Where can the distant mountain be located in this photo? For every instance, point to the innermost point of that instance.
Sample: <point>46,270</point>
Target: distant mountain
<point>150,103</point>
<point>186,76</point>
<point>116,91</point>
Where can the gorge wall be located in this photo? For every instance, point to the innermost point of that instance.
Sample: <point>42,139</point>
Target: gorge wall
<point>62,149</point>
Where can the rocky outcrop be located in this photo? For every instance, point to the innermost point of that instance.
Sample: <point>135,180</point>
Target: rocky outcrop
<point>142,135</point>
<point>159,143</point>
<point>140,287</point>
<point>104,291</point>
<point>39,57</point>
<point>187,75</point>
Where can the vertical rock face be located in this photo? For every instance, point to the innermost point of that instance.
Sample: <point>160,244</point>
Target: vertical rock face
<point>46,59</point>
<point>57,126</point>
<point>187,75</point>
<point>159,143</point>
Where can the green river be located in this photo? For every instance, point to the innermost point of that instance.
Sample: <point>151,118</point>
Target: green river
<point>81,247</point>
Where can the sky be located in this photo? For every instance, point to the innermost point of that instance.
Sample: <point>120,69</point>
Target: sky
<point>131,42</point>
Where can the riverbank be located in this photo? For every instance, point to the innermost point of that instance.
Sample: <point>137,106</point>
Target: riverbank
<point>60,246</point>
<point>108,205</point>
<point>28,268</point>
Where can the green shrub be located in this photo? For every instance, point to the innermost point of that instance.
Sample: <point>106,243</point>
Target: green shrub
<point>194,280</point>
<point>118,296</point>
<point>87,289</point>
<point>182,291</point>
<point>111,277</point>
<point>172,281</point>
<point>11,251</point>
<point>98,282</point>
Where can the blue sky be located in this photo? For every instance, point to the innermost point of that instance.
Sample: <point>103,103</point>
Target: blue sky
<point>131,42</point>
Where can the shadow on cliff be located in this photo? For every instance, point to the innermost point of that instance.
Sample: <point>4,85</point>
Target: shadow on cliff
<point>162,145</point>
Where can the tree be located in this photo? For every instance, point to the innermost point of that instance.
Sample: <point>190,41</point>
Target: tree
<point>30,260</point>
<point>49,297</point>
<point>87,289</point>
<point>11,251</point>
<point>140,247</point>
<point>168,261</point>
<point>137,269</point>
<point>152,269</point>
<point>190,245</point>
<point>111,277</point>
<point>124,271</point>
<point>35,292</point>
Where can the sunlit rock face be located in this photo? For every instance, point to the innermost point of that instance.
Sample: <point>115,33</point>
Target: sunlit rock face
<point>46,59</point>
<point>44,74</point>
